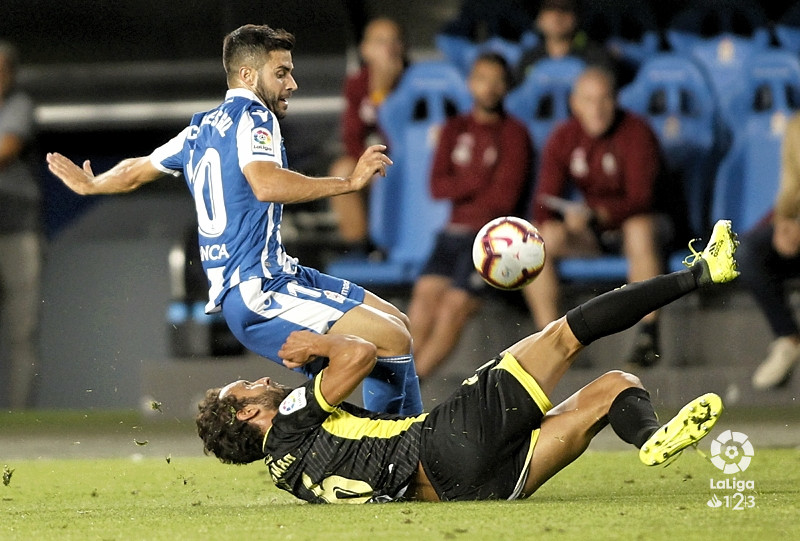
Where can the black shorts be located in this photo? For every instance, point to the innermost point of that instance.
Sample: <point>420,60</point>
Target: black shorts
<point>478,444</point>
<point>452,257</point>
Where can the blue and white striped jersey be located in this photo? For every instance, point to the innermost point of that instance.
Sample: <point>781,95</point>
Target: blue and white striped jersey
<point>239,235</point>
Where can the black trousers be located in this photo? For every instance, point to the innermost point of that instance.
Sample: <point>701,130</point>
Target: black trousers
<point>765,273</point>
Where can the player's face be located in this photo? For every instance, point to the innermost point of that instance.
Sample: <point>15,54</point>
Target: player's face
<point>593,104</point>
<point>275,83</point>
<point>487,85</point>
<point>262,391</point>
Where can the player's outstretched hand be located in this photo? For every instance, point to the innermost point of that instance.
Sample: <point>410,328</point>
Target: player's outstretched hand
<point>372,162</point>
<point>298,349</point>
<point>79,180</point>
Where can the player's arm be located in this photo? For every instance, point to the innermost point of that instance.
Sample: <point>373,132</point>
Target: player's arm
<point>271,182</point>
<point>126,176</point>
<point>351,359</point>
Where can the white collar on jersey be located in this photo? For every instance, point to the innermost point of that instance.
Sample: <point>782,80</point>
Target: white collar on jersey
<point>242,93</point>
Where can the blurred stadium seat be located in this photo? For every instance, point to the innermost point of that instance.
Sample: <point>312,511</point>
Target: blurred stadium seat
<point>404,218</point>
<point>788,37</point>
<point>542,100</point>
<point>787,29</point>
<point>725,60</point>
<point>462,52</point>
<point>748,177</point>
<point>711,20</point>
<point>674,95</point>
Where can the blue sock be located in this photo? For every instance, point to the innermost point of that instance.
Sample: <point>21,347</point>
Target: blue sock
<point>387,387</point>
<point>412,404</point>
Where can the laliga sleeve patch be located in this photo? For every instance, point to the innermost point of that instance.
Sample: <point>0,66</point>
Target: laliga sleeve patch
<point>295,401</point>
<point>261,142</point>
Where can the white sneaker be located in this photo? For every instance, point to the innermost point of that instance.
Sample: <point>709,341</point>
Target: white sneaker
<point>777,367</point>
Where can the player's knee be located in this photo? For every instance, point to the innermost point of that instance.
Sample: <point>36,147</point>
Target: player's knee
<point>404,320</point>
<point>615,381</point>
<point>397,338</point>
<point>391,311</point>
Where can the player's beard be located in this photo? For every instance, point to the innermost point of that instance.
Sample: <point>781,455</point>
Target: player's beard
<point>272,397</point>
<point>272,101</point>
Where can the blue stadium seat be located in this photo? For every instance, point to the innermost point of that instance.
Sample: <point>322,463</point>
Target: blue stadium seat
<point>748,177</point>
<point>725,59</point>
<point>455,49</point>
<point>632,51</point>
<point>542,100</point>
<point>462,52</point>
<point>674,95</point>
<point>788,37</point>
<point>404,218</point>
<point>710,20</point>
<point>685,42</point>
<point>787,29</point>
<point>772,84</point>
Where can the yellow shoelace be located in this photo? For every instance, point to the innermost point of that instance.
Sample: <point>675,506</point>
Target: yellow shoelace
<point>692,258</point>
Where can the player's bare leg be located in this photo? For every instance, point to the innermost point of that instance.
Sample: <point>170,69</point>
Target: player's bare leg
<point>547,354</point>
<point>618,398</point>
<point>569,427</point>
<point>387,331</point>
<point>393,385</point>
<point>371,299</point>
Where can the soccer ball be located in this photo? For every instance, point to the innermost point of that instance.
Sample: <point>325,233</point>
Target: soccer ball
<point>508,252</point>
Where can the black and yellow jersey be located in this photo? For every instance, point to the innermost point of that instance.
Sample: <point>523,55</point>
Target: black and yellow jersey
<point>340,454</point>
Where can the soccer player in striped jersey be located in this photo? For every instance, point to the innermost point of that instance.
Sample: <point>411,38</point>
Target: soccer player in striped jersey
<point>497,437</point>
<point>234,163</point>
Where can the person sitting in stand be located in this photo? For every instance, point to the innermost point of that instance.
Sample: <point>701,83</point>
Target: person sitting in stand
<point>482,165</point>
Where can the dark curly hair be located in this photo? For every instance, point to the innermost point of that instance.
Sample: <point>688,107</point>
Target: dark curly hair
<point>230,440</point>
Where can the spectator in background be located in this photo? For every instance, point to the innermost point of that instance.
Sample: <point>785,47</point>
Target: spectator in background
<point>482,165</point>
<point>383,55</point>
<point>560,36</point>
<point>612,158</point>
<point>770,256</point>
<point>20,235</point>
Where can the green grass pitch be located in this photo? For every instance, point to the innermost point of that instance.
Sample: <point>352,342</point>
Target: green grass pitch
<point>604,495</point>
